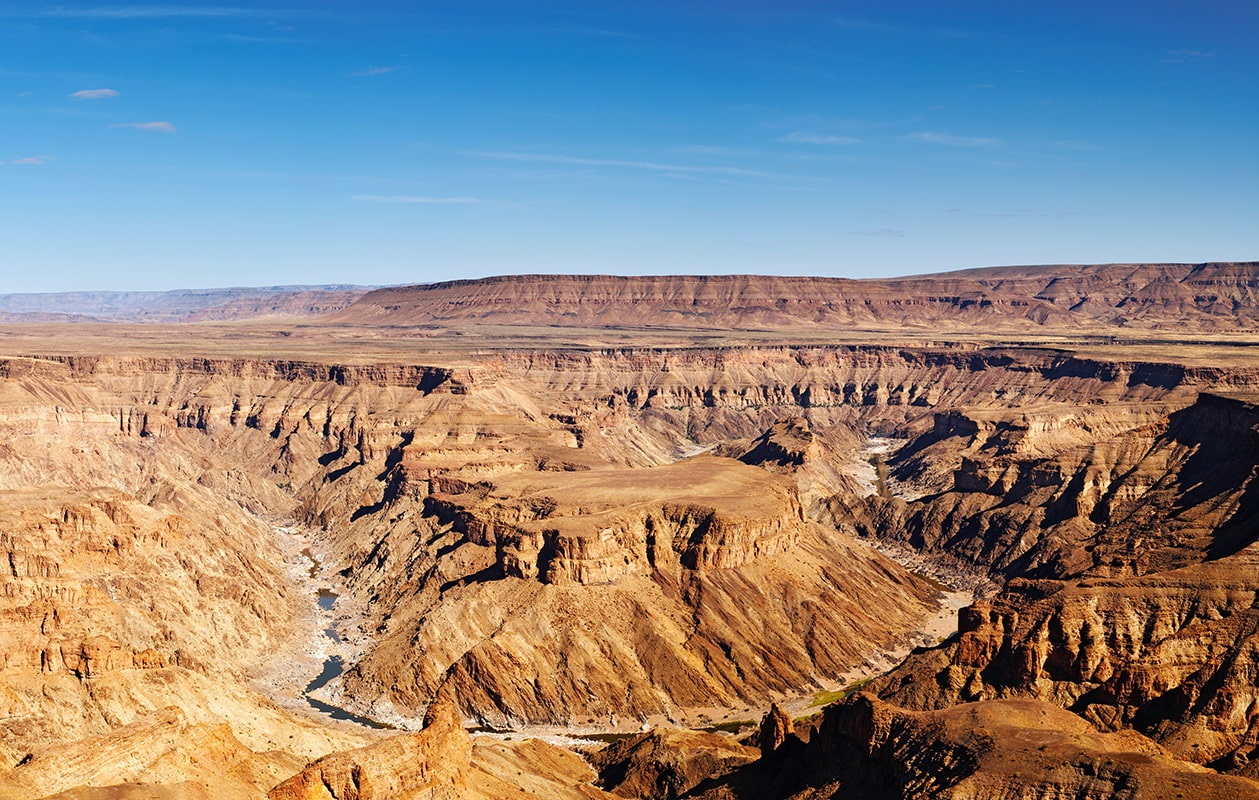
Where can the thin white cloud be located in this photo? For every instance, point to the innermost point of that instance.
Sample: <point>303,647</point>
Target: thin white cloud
<point>152,127</point>
<point>951,140</point>
<point>149,12</point>
<point>413,199</point>
<point>94,94</point>
<point>1075,144</point>
<point>895,233</point>
<point>240,38</point>
<point>874,26</point>
<point>853,23</point>
<point>366,73</point>
<point>652,166</point>
<point>1181,56</point>
<point>807,137</point>
<point>32,160</point>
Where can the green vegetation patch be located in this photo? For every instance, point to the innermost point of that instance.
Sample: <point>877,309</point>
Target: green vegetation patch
<point>733,726</point>
<point>835,695</point>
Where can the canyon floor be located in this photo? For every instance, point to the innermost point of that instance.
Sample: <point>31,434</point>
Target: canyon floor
<point>983,534</point>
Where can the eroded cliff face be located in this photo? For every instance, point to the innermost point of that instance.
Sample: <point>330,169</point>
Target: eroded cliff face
<point>1064,495</point>
<point>128,635</point>
<point>1173,654</point>
<point>1132,563</point>
<point>433,763</point>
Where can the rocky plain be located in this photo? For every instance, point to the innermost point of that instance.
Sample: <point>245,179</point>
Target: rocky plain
<point>983,534</point>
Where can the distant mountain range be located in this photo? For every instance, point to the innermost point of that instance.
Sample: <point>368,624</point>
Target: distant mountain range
<point>181,305</point>
<point>1204,297</point>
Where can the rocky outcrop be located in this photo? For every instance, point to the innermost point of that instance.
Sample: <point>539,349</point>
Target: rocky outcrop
<point>1022,749</point>
<point>442,762</point>
<point>160,755</point>
<point>1174,655</point>
<point>432,764</point>
<point>775,728</point>
<point>667,763</point>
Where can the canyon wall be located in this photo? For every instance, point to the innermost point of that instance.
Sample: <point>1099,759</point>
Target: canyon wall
<point>602,537</point>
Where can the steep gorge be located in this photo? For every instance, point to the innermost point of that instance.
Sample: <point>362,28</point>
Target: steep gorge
<point>583,538</point>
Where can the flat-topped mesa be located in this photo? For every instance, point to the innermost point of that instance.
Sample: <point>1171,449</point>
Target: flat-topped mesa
<point>1213,296</point>
<point>705,513</point>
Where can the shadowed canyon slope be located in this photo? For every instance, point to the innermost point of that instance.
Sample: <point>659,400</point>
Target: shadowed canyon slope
<point>594,538</point>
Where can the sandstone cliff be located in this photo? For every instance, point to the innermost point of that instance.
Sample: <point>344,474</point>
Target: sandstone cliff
<point>667,763</point>
<point>1174,655</point>
<point>432,764</point>
<point>1074,492</point>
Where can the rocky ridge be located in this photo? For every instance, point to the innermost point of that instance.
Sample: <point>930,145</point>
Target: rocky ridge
<point>1211,296</point>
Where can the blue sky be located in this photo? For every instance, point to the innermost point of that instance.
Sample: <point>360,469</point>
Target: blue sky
<point>156,146</point>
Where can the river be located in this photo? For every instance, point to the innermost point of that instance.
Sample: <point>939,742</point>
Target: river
<point>334,661</point>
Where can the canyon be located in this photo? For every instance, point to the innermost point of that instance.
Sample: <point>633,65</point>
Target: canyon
<point>547,512</point>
